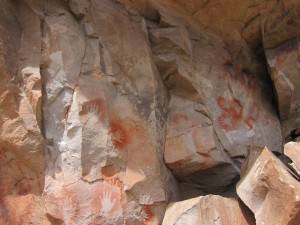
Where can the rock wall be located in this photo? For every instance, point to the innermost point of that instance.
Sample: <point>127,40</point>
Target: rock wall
<point>112,109</point>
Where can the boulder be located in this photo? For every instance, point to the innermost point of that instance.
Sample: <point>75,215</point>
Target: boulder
<point>268,189</point>
<point>292,150</point>
<point>207,210</point>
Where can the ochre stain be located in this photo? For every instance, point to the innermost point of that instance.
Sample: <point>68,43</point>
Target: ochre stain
<point>180,118</point>
<point>250,122</point>
<point>109,200</point>
<point>148,215</point>
<point>70,198</point>
<point>125,132</point>
<point>120,135</point>
<point>244,77</point>
<point>232,112</point>
<point>225,121</point>
<point>95,108</point>
<point>223,104</point>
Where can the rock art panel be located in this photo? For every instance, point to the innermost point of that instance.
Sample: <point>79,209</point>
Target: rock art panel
<point>110,123</point>
<point>97,96</point>
<point>229,98</point>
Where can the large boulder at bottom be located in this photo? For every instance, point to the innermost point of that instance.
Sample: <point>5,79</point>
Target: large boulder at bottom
<point>268,189</point>
<point>208,210</point>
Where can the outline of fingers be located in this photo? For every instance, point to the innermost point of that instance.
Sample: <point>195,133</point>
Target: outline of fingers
<point>107,202</point>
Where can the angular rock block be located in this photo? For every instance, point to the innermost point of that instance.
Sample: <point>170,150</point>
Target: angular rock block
<point>292,150</point>
<point>208,210</point>
<point>268,189</point>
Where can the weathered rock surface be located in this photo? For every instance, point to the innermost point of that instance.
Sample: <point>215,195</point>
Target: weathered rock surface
<point>207,210</point>
<point>218,105</point>
<point>108,138</point>
<point>22,161</point>
<point>268,189</point>
<point>109,110</point>
<point>292,150</point>
<point>281,43</point>
<point>25,209</point>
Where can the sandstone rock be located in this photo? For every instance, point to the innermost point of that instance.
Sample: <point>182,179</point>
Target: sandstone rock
<point>114,90</point>
<point>212,118</point>
<point>26,209</point>
<point>207,210</point>
<point>280,38</point>
<point>284,71</point>
<point>281,24</point>
<point>21,141</point>
<point>292,150</point>
<point>268,189</point>
<point>108,135</point>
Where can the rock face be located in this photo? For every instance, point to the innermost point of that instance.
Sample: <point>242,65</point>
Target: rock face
<point>108,137</point>
<point>109,110</point>
<point>281,42</point>
<point>218,105</point>
<point>24,209</point>
<point>292,150</point>
<point>207,210</point>
<point>22,167</point>
<point>266,187</point>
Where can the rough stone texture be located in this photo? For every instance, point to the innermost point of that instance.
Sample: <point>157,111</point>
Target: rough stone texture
<point>292,150</point>
<point>268,189</point>
<point>108,136</point>
<point>25,209</point>
<point>281,43</point>
<point>207,210</point>
<point>101,101</point>
<point>21,141</point>
<point>218,105</point>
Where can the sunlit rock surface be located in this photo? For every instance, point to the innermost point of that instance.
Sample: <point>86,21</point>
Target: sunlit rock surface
<point>292,150</point>
<point>207,210</point>
<point>268,189</point>
<point>110,110</point>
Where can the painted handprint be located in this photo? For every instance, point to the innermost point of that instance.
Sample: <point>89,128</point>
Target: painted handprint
<point>107,201</point>
<point>225,121</point>
<point>119,137</point>
<point>93,111</point>
<point>146,215</point>
<point>125,132</point>
<point>232,114</point>
<point>244,77</point>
